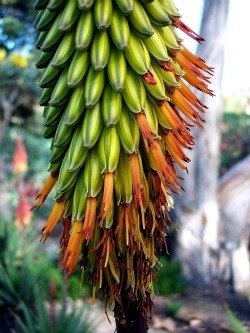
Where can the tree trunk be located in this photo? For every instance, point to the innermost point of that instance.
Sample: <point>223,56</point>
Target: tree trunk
<point>197,208</point>
<point>234,189</point>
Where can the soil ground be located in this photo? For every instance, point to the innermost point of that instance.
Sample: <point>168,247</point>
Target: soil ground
<point>197,311</point>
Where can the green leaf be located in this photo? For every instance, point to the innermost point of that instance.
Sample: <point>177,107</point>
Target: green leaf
<point>29,318</point>
<point>235,322</point>
<point>42,315</point>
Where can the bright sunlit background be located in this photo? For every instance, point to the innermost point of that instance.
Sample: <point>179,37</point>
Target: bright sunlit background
<point>236,68</point>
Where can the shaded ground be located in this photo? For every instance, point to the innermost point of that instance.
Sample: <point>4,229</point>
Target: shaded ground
<point>202,311</point>
<point>197,311</point>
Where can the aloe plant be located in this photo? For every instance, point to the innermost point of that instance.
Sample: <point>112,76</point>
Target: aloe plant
<point>22,266</point>
<point>17,267</point>
<point>49,320</point>
<point>118,108</point>
<point>236,324</point>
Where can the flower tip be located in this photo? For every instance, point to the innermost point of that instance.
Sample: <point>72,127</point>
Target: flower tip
<point>166,65</point>
<point>149,78</point>
<point>200,39</point>
<point>38,201</point>
<point>44,235</point>
<point>90,218</point>
<point>53,219</point>
<point>148,135</point>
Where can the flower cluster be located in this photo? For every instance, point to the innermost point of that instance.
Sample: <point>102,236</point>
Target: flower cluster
<point>118,107</point>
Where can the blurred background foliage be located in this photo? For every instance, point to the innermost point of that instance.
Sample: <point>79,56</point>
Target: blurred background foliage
<point>24,263</point>
<point>235,144</point>
<point>16,24</point>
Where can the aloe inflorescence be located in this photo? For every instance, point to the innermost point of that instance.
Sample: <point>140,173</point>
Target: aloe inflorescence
<point>118,108</point>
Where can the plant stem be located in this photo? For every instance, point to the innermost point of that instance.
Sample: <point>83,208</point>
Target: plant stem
<point>132,320</point>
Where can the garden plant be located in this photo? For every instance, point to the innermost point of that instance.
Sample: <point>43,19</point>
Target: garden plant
<point>118,110</point>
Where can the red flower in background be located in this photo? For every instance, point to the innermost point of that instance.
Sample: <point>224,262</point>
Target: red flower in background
<point>23,210</point>
<point>20,158</point>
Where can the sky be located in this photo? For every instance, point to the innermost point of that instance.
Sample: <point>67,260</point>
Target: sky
<point>236,73</point>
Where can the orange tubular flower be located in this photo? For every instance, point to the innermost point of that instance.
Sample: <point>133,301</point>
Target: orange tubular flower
<point>73,250</point>
<point>187,66</point>
<point>190,96</point>
<point>107,195</point>
<point>196,61</point>
<point>184,106</point>
<point>175,151</point>
<point>136,177</point>
<point>64,241</point>
<point>173,118</point>
<point>55,216</point>
<point>90,218</point>
<point>146,131</point>
<point>165,171</point>
<point>137,184</point>
<point>45,190</point>
<point>197,82</point>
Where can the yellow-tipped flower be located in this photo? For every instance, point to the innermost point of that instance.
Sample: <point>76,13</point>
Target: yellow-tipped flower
<point>45,190</point>
<point>118,109</point>
<point>55,216</point>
